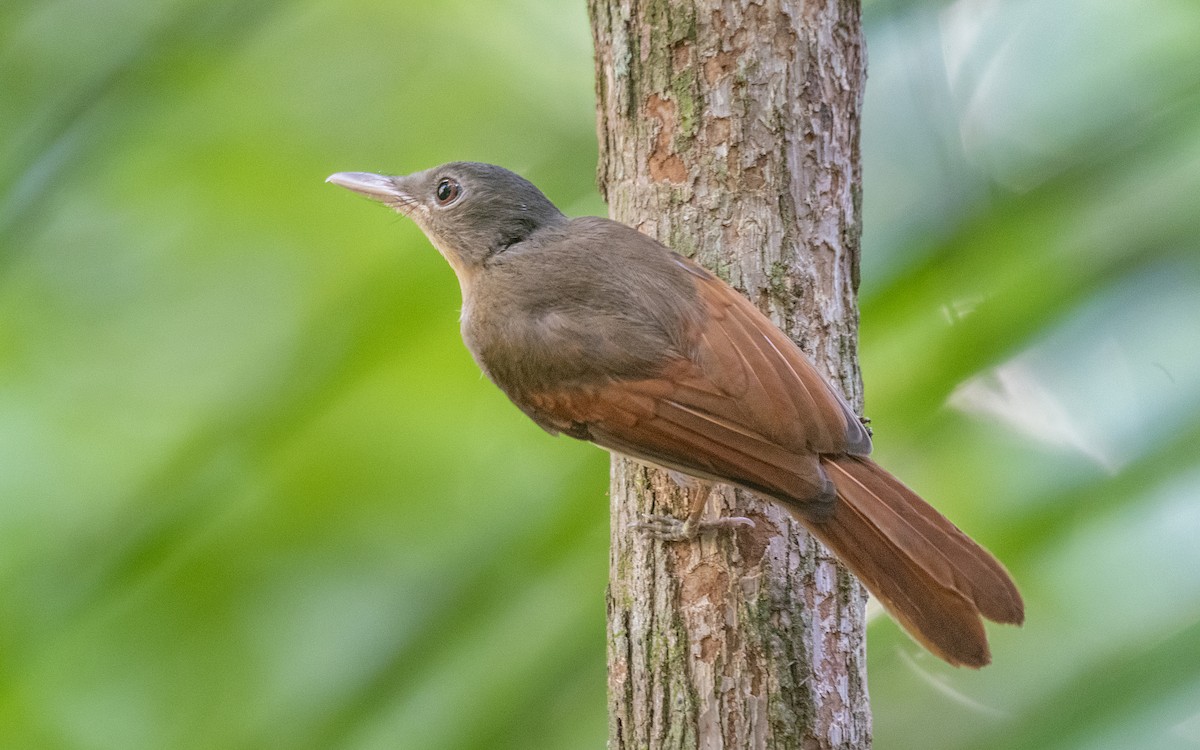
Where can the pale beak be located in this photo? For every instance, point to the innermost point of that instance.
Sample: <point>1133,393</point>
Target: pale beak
<point>376,186</point>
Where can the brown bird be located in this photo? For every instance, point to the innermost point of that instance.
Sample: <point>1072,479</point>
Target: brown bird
<point>597,331</point>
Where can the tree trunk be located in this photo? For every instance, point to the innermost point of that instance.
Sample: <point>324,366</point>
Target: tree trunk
<point>729,130</point>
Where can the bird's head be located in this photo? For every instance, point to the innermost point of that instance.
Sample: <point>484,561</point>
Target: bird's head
<point>469,211</point>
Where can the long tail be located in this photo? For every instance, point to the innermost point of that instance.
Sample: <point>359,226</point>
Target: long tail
<point>930,576</point>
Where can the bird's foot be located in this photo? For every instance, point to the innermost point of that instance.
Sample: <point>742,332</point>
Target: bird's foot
<point>671,529</point>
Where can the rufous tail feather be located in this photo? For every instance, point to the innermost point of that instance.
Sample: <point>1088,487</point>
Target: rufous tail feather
<point>930,576</point>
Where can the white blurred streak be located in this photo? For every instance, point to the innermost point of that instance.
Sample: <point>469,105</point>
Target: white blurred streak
<point>962,25</point>
<point>973,68</point>
<point>939,683</point>
<point>1014,395</point>
<point>982,49</point>
<point>1188,730</point>
<point>955,311</point>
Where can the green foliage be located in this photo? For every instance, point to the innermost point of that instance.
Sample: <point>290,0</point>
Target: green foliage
<point>254,493</point>
<point>1031,320</point>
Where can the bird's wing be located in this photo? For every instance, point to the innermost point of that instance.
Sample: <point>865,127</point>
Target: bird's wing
<point>743,406</point>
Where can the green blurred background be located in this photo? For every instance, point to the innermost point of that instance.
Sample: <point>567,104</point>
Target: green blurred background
<point>254,493</point>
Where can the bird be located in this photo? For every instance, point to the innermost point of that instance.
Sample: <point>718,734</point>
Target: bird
<point>599,332</point>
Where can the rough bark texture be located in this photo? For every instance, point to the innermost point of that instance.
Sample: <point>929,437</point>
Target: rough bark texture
<point>729,130</point>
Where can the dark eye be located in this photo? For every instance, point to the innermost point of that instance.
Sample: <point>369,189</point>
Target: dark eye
<point>447,191</point>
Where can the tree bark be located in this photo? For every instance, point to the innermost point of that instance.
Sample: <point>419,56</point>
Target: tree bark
<point>729,130</point>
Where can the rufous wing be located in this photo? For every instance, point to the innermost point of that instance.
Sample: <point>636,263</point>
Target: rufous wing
<point>743,405</point>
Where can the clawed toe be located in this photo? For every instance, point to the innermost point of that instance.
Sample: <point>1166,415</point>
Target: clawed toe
<point>670,529</point>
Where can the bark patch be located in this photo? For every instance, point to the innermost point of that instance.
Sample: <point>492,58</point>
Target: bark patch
<point>665,164</point>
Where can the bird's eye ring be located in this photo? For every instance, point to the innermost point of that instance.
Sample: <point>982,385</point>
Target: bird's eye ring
<point>447,191</point>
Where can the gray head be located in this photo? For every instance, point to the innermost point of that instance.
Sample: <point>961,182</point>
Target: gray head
<point>469,211</point>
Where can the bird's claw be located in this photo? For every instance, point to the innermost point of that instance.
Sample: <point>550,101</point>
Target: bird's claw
<point>671,529</point>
